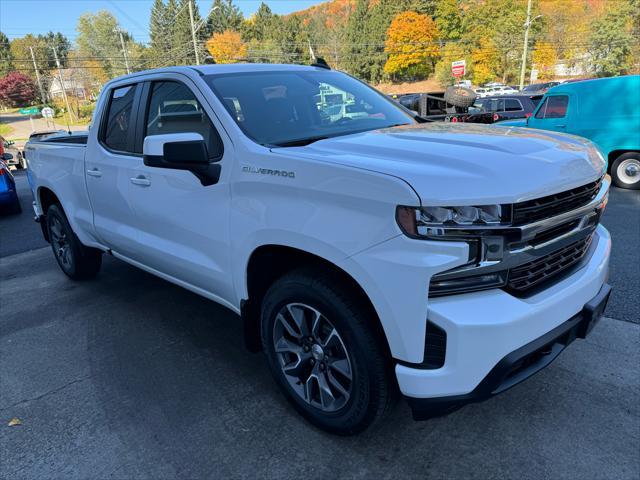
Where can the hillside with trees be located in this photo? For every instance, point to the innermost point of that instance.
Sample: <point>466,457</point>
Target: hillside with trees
<point>391,41</point>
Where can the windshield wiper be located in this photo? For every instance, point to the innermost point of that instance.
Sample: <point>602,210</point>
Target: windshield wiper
<point>300,142</point>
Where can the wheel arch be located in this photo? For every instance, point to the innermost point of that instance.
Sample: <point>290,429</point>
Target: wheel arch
<point>269,262</point>
<point>46,197</point>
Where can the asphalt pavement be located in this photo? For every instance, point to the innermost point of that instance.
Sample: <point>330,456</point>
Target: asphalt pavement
<point>128,376</point>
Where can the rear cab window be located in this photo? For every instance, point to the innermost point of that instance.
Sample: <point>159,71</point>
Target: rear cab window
<point>117,130</point>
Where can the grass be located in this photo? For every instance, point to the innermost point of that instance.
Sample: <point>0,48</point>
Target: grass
<point>5,130</point>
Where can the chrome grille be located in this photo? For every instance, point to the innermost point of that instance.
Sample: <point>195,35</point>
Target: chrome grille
<point>535,273</point>
<point>552,205</point>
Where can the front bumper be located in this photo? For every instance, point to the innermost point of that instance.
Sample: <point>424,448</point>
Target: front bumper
<point>483,328</point>
<point>521,363</point>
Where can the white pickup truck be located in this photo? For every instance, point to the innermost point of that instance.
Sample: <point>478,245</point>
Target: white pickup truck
<point>367,254</point>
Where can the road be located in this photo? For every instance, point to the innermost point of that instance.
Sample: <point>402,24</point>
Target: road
<point>128,376</point>
<point>22,127</point>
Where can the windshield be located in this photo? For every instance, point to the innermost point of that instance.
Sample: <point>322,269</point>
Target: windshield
<point>288,108</point>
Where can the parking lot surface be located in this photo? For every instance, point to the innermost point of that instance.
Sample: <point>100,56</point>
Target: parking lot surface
<point>128,376</point>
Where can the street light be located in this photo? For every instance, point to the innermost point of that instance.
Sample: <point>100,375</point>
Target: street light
<point>526,26</point>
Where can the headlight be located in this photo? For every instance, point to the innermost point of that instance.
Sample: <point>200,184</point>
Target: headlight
<point>432,222</point>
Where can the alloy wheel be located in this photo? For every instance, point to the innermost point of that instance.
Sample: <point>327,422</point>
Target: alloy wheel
<point>60,242</point>
<point>313,357</point>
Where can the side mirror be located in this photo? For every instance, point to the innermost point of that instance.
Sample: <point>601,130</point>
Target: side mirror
<point>181,151</point>
<point>7,156</point>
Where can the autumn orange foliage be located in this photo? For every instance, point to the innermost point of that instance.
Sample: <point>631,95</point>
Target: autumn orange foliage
<point>410,42</point>
<point>227,47</point>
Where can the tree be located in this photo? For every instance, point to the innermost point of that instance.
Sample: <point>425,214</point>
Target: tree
<point>410,45</point>
<point>6,57</point>
<point>452,52</point>
<point>160,32</point>
<point>227,47</point>
<point>486,62</point>
<point>42,51</point>
<point>98,40</point>
<point>224,15</point>
<point>182,52</point>
<point>610,43</point>
<point>448,17</point>
<point>261,25</point>
<point>545,59</point>
<point>17,90</point>
<point>358,58</point>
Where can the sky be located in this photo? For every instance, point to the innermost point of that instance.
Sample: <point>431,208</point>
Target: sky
<point>19,17</point>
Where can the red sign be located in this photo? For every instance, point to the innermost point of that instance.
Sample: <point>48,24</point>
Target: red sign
<point>457,68</point>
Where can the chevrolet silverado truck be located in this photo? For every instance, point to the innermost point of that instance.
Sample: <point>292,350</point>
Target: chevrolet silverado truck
<point>368,255</point>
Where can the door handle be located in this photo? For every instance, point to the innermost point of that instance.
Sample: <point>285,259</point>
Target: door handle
<point>561,126</point>
<point>141,180</point>
<point>94,172</point>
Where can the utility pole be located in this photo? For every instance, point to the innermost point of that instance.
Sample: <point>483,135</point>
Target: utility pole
<point>62,86</point>
<point>527,26</point>
<point>193,32</point>
<point>35,67</point>
<point>124,51</point>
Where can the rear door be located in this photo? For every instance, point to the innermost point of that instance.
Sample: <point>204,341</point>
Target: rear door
<point>107,168</point>
<point>183,225</point>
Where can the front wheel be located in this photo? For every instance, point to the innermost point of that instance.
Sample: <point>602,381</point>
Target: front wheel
<point>625,171</point>
<point>75,260</point>
<point>324,354</point>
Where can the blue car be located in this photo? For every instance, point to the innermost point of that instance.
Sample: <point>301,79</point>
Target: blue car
<point>9,201</point>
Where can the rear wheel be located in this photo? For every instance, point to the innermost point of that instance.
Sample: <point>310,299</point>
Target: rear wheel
<point>324,354</point>
<point>75,260</point>
<point>625,171</point>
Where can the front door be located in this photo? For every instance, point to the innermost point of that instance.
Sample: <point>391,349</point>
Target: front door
<point>552,114</point>
<point>183,225</point>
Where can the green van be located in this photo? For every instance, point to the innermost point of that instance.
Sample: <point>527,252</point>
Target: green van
<point>607,112</point>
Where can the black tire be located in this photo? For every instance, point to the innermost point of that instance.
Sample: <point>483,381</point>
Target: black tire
<point>460,96</point>
<point>75,260</point>
<point>625,171</point>
<point>372,388</point>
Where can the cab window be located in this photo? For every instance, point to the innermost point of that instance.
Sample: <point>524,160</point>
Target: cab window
<point>173,108</point>
<point>554,106</point>
<point>512,105</point>
<point>118,123</point>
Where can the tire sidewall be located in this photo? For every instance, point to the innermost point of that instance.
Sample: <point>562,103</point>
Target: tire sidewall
<point>354,416</point>
<point>55,212</point>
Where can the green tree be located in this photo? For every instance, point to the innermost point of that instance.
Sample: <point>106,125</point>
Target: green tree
<point>98,40</point>
<point>452,52</point>
<point>448,17</point>
<point>182,52</point>
<point>224,15</point>
<point>611,41</point>
<point>358,61</point>
<point>261,25</point>
<point>160,33</point>
<point>6,57</point>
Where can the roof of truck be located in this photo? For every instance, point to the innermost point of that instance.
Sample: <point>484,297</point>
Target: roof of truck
<point>226,68</point>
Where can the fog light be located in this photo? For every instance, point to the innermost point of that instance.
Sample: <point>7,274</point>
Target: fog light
<point>466,284</point>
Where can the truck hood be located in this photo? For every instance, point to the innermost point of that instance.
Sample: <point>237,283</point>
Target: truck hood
<point>459,164</point>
